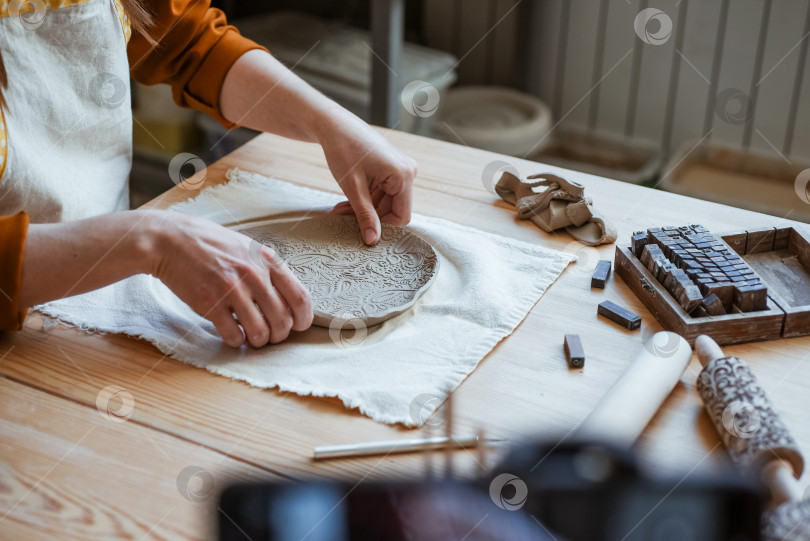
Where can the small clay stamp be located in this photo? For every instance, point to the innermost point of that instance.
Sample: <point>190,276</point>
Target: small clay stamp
<point>600,275</point>
<point>573,351</point>
<point>713,305</point>
<point>619,315</point>
<point>751,298</point>
<point>689,297</point>
<point>665,270</point>
<point>638,241</point>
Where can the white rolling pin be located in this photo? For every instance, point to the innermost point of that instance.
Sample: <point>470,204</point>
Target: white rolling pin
<point>627,408</point>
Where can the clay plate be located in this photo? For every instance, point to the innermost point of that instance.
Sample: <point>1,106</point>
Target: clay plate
<point>347,279</point>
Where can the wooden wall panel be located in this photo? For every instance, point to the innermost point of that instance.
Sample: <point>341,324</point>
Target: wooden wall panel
<point>612,108</point>
<point>617,68</point>
<point>692,88</point>
<point>473,41</point>
<point>646,118</point>
<point>502,48</point>
<point>736,70</point>
<point>579,62</point>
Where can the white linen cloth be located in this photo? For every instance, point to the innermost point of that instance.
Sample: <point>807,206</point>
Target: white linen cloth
<point>485,286</point>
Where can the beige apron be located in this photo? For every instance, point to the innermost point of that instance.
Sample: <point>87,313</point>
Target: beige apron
<point>68,125</point>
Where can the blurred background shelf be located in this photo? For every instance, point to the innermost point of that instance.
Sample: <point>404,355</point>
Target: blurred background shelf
<point>633,87</point>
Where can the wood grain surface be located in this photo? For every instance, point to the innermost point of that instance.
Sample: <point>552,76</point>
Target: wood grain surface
<point>68,471</point>
<point>522,390</point>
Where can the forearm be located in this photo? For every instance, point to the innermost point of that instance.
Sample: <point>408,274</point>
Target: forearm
<point>66,259</point>
<point>261,93</point>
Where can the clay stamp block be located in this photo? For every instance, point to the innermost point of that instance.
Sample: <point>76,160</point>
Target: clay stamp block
<point>693,272</point>
<point>658,266</point>
<point>687,263</point>
<point>713,306</point>
<point>760,297</point>
<point>665,270</point>
<point>744,299</point>
<point>600,275</point>
<point>645,257</point>
<point>619,315</point>
<point>751,298</point>
<point>649,253</point>
<point>723,290</point>
<point>760,240</point>
<point>638,241</point>
<point>678,256</point>
<point>688,296</point>
<point>671,281</point>
<point>574,352</point>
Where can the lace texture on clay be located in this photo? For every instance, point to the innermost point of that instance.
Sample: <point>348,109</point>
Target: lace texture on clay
<point>346,278</point>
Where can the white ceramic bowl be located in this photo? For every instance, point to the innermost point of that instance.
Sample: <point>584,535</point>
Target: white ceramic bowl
<point>495,118</point>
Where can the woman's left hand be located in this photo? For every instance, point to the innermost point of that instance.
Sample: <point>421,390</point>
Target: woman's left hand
<point>375,176</point>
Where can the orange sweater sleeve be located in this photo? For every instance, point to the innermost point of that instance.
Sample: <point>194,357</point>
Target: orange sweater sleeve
<point>196,48</point>
<point>12,243</point>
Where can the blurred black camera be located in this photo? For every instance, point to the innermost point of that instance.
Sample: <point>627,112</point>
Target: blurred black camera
<point>574,491</point>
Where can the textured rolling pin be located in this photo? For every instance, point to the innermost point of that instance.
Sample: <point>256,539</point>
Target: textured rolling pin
<point>756,438</point>
<point>624,411</point>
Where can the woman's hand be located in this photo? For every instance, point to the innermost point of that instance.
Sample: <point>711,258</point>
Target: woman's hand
<point>211,268</point>
<point>376,177</point>
<point>207,266</point>
<point>260,93</point>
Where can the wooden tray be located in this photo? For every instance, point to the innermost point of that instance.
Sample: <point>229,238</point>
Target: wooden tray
<point>781,257</point>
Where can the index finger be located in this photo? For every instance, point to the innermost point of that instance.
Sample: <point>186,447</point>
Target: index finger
<point>357,192</point>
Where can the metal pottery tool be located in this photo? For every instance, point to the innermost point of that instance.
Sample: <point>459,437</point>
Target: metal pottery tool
<point>756,438</point>
<point>466,441</point>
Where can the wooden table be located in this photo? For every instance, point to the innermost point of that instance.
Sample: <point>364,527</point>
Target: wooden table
<point>66,469</point>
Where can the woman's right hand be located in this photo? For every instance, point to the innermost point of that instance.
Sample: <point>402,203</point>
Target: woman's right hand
<point>218,274</point>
